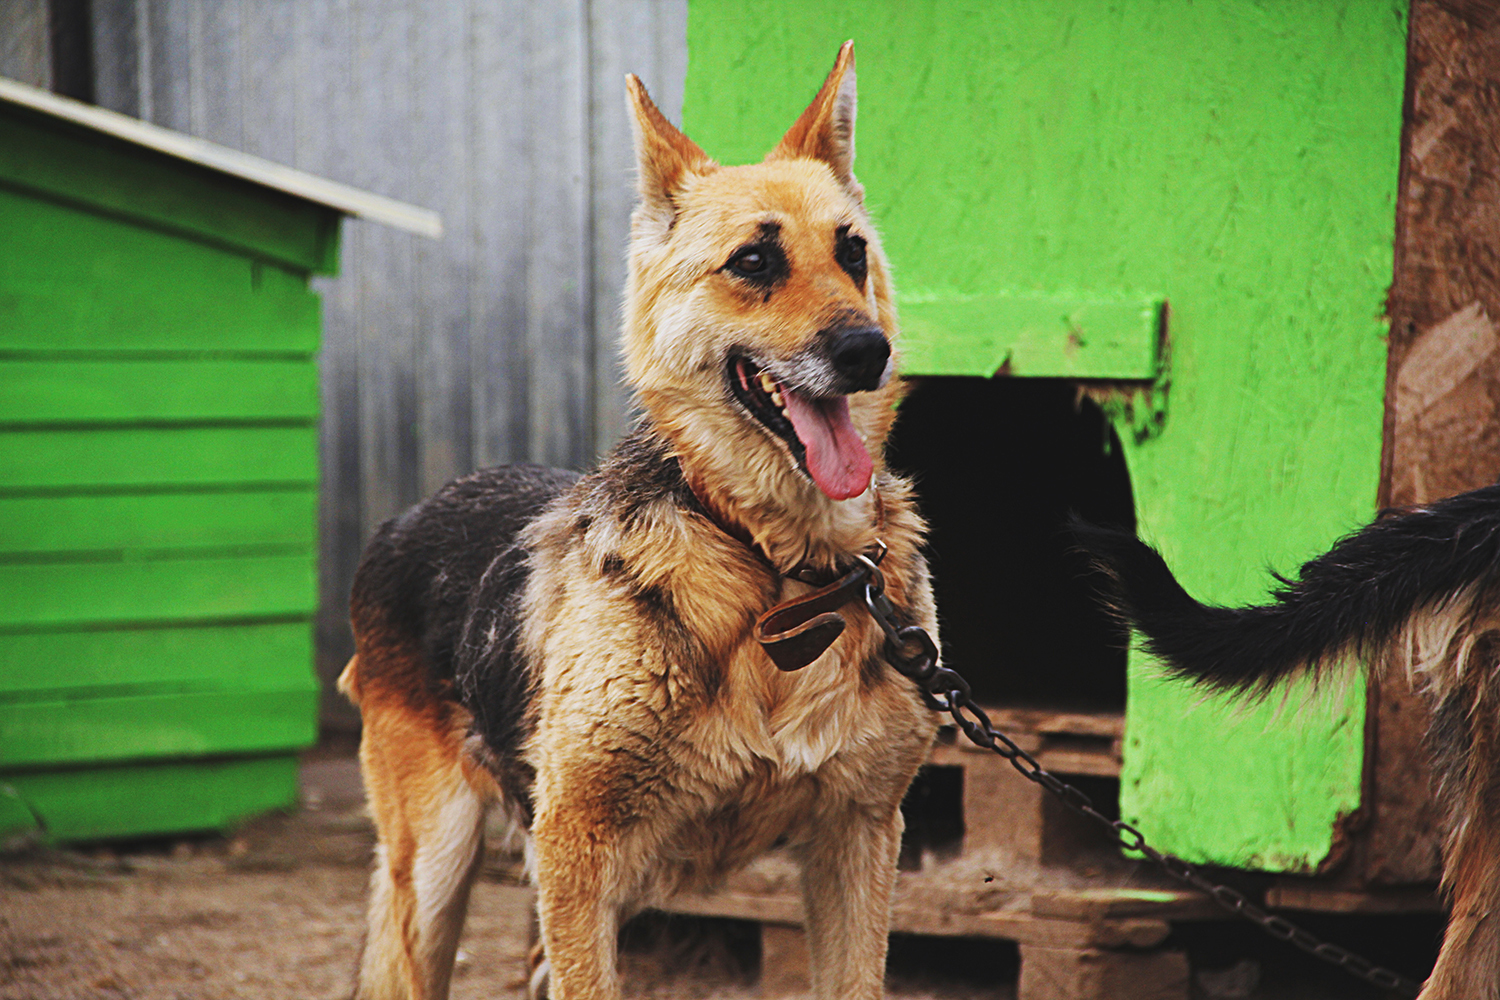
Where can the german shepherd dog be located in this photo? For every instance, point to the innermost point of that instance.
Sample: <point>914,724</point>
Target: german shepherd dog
<point>582,650</point>
<point>1416,590</point>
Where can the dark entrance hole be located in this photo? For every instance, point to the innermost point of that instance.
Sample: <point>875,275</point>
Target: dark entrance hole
<point>999,463</point>
<point>934,814</point>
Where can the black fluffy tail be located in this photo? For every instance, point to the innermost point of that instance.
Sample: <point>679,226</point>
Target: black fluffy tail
<point>1351,601</point>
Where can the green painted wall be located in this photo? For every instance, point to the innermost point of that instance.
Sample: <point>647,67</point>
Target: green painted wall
<point>158,487</point>
<point>1237,160</point>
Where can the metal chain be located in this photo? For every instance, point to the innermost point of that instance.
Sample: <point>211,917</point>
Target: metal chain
<point>912,652</point>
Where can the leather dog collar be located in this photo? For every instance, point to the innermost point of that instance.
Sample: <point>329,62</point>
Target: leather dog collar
<point>798,631</point>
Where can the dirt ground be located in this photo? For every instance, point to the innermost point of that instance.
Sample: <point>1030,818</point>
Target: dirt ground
<point>276,910</point>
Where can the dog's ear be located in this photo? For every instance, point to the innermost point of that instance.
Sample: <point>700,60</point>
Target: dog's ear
<point>664,155</point>
<point>826,129</point>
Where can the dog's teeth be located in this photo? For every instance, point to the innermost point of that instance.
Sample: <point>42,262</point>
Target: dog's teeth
<point>769,386</point>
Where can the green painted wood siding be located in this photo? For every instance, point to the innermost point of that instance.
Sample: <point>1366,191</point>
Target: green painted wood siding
<point>158,487</point>
<point>1236,160</point>
<point>74,164</point>
<point>152,797</point>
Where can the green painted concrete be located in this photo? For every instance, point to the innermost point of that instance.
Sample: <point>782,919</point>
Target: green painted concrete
<point>1237,160</point>
<point>1033,335</point>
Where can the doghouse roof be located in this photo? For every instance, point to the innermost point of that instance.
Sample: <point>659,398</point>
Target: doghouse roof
<point>223,160</point>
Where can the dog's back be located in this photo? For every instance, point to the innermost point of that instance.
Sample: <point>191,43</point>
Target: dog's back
<point>420,572</point>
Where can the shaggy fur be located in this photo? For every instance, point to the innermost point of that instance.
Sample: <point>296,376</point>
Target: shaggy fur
<point>1417,590</point>
<point>581,650</point>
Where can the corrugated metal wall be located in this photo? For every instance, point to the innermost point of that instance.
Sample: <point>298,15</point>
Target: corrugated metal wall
<point>496,343</point>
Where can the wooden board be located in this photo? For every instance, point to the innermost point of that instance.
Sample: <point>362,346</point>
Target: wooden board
<point>1095,757</point>
<point>26,43</point>
<point>558,330</point>
<point>1263,216</point>
<point>139,289</point>
<point>1114,903</point>
<point>1064,742</point>
<point>1056,722</point>
<point>925,919</point>
<point>1091,974</point>
<point>1442,415</point>
<point>54,595</point>
<point>81,460</point>
<point>1326,899</point>
<point>91,729</point>
<point>158,478</point>
<point>56,665</point>
<point>152,390</point>
<point>498,342</point>
<point>68,105</point>
<point>649,40</point>
<point>1032,335</point>
<point>248,522</point>
<point>92,803</point>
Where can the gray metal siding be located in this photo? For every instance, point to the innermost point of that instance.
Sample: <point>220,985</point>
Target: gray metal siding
<point>25,43</point>
<point>497,343</point>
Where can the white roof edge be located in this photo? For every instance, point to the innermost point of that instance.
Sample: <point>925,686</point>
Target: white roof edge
<point>353,201</point>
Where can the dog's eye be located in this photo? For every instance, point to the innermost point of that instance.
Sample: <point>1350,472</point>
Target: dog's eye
<point>850,253</point>
<point>761,264</point>
<point>748,262</point>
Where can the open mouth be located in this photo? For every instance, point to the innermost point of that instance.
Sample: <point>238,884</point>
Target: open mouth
<point>817,429</point>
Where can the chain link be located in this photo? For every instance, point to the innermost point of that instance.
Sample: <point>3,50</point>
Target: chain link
<point>912,652</point>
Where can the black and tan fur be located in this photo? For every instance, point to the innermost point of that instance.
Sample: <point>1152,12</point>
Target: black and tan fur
<point>1417,590</point>
<point>581,651</point>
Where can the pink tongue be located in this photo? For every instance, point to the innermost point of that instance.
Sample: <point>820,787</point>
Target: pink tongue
<point>836,456</point>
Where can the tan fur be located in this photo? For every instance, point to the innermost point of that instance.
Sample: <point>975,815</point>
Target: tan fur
<point>1452,651</point>
<point>660,767</point>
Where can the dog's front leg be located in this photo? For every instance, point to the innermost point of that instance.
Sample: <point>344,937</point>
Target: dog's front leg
<point>848,874</point>
<point>577,873</point>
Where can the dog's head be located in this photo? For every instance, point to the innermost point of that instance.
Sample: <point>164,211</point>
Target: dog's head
<point>759,320</point>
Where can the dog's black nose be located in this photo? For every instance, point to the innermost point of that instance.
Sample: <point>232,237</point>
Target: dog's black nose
<point>859,356</point>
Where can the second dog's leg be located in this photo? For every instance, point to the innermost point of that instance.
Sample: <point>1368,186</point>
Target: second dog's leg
<point>1468,967</point>
<point>1466,734</point>
<point>847,878</point>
